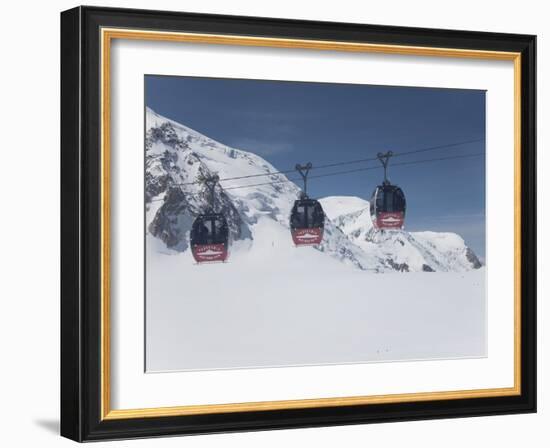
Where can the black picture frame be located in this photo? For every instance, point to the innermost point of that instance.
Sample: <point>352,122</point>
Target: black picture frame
<point>81,224</point>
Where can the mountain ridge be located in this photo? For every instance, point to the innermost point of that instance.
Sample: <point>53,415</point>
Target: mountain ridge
<point>176,156</point>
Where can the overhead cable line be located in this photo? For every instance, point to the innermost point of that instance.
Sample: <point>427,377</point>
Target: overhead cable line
<point>339,173</point>
<point>356,170</point>
<point>347,162</point>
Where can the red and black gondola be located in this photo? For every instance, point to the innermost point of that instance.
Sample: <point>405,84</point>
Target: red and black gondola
<point>307,218</point>
<point>209,238</point>
<point>387,204</point>
<point>387,207</point>
<point>307,222</point>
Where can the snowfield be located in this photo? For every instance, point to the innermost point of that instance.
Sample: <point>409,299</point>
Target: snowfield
<point>283,306</point>
<point>361,296</point>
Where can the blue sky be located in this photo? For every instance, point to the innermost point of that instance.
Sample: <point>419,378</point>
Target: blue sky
<point>291,122</point>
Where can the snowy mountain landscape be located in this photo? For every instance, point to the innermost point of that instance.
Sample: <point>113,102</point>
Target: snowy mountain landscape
<point>271,304</point>
<point>176,156</point>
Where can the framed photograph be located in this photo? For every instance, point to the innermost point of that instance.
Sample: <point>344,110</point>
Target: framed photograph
<point>277,224</point>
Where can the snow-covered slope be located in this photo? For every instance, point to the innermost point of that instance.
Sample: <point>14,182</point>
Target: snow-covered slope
<point>176,156</point>
<point>404,251</point>
<point>336,206</point>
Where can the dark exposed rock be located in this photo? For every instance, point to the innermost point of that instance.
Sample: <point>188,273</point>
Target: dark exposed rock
<point>401,267</point>
<point>472,258</point>
<point>182,202</point>
<point>173,219</point>
<point>166,134</point>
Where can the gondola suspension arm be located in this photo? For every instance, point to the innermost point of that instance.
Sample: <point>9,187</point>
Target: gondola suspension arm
<point>210,183</point>
<point>304,171</point>
<point>384,159</point>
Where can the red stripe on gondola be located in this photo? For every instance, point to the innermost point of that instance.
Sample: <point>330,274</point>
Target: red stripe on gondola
<point>389,220</point>
<point>209,252</point>
<point>307,237</point>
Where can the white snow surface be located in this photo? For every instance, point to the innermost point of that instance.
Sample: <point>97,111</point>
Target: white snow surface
<point>282,306</point>
<point>272,304</point>
<point>335,206</point>
<point>409,251</point>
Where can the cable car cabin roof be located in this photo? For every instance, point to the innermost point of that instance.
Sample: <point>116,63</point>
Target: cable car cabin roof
<point>307,202</point>
<point>387,187</point>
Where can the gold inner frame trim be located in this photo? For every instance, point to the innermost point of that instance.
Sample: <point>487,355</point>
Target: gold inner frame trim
<point>107,35</point>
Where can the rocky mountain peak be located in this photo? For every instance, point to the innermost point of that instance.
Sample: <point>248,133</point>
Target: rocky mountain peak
<point>177,157</point>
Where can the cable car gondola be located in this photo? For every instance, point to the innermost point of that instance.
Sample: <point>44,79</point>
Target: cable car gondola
<point>210,232</point>
<point>209,238</point>
<point>387,204</point>
<point>307,218</point>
